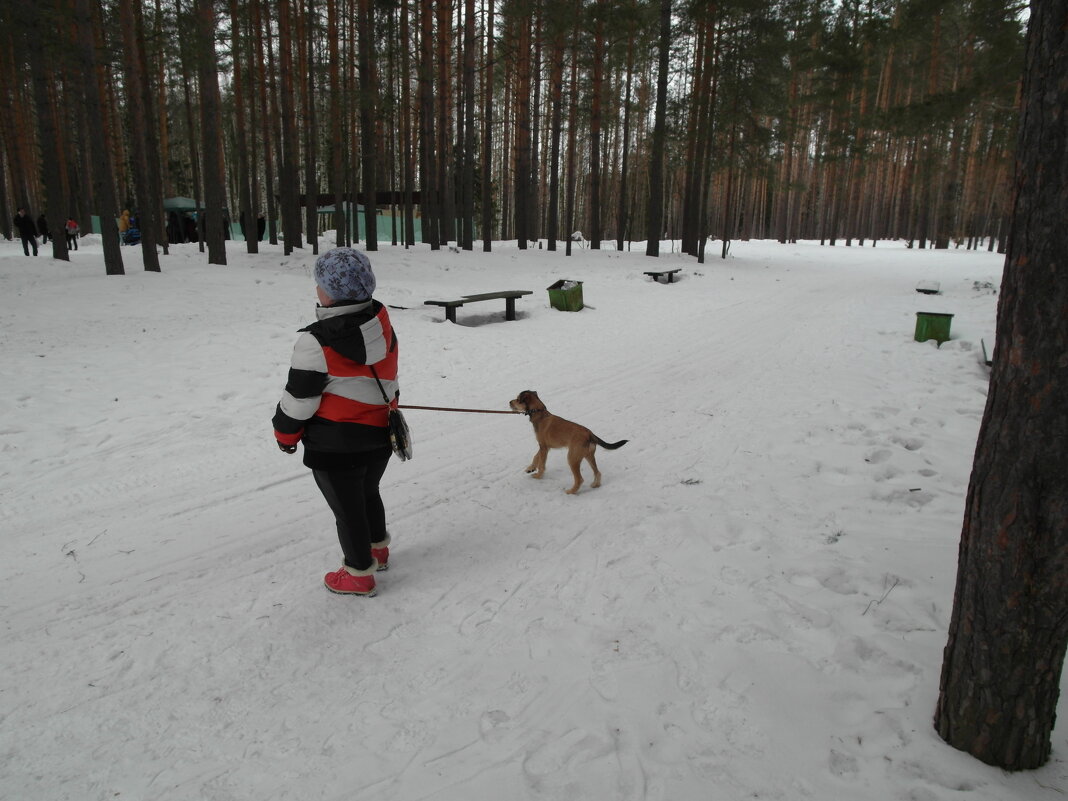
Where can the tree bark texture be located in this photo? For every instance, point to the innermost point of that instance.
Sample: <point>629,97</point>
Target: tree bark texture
<point>368,91</point>
<point>1003,659</point>
<point>142,135</point>
<point>49,135</point>
<point>211,131</point>
<point>87,29</point>
<point>655,214</point>
<point>487,137</point>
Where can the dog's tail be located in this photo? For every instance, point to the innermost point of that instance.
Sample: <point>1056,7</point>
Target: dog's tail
<point>609,445</point>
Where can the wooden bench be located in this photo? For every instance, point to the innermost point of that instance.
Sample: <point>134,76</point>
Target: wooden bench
<point>669,273</point>
<point>928,287</point>
<point>509,297</point>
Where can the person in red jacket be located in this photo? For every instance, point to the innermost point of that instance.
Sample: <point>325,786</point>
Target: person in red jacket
<point>344,367</point>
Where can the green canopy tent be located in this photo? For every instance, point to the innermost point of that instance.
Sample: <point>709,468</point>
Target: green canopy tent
<point>179,204</point>
<point>186,205</point>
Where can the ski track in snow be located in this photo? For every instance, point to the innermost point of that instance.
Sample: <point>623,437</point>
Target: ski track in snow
<point>743,609</point>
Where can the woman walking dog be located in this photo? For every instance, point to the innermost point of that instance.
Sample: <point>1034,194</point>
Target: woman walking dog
<point>333,403</point>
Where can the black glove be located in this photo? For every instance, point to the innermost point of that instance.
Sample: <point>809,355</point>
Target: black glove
<point>286,448</point>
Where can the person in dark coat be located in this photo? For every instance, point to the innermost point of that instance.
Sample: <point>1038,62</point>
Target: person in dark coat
<point>42,229</point>
<point>175,235</point>
<point>261,226</point>
<point>27,230</point>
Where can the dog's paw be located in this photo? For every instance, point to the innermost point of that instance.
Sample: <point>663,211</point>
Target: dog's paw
<point>530,469</point>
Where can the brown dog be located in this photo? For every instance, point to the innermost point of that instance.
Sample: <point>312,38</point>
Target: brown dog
<point>556,432</point>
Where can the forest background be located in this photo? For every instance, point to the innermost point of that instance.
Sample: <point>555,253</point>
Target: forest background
<point>516,119</point>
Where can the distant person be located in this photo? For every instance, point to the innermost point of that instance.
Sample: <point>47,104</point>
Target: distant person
<point>72,230</point>
<point>27,230</point>
<point>42,229</point>
<point>175,235</point>
<point>261,226</point>
<point>191,234</point>
<point>124,225</point>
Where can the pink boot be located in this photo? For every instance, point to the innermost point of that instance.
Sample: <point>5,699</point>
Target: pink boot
<point>380,552</point>
<point>349,581</point>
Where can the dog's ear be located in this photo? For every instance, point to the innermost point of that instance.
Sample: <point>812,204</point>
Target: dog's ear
<point>525,395</point>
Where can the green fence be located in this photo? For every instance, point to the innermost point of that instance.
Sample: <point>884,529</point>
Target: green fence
<point>326,223</point>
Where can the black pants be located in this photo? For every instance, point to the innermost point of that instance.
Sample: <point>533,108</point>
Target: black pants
<point>353,497</point>
<point>72,241</point>
<point>26,242</point>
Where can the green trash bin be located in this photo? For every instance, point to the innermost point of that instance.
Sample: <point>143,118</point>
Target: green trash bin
<point>932,325</point>
<point>566,295</point>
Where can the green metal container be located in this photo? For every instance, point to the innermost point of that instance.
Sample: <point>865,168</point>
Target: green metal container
<point>566,295</point>
<point>932,325</point>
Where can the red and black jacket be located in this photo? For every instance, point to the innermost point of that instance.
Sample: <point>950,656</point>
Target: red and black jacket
<point>332,400</point>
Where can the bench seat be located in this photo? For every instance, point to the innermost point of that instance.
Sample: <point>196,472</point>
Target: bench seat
<point>508,296</point>
<point>929,287</point>
<point>655,274</point>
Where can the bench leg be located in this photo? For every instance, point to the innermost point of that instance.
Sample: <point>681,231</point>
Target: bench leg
<point>450,314</point>
<point>509,308</point>
<point>671,278</point>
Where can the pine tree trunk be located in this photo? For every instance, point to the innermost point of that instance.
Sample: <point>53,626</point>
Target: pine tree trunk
<point>87,34</point>
<point>556,80</point>
<point>1001,672</point>
<point>428,172</point>
<point>210,115</point>
<point>597,90</point>
<point>407,145</point>
<point>572,136</point>
<point>266,126</point>
<point>533,203</point>
<point>48,131</point>
<point>368,149</point>
<point>445,162</point>
<point>621,217</point>
<point>155,215</point>
<point>522,126</point>
<point>288,179</point>
<point>467,175</point>
<point>655,214</point>
<point>336,180</point>
<point>191,128</point>
<point>142,135</point>
<point>487,137</point>
<point>306,46</point>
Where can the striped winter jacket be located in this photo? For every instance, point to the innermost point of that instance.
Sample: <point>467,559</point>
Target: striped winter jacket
<point>331,401</point>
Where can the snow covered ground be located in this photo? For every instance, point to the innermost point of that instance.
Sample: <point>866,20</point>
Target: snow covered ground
<point>753,605</point>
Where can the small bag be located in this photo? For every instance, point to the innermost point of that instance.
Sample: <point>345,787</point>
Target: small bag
<point>400,438</point>
<point>399,435</point>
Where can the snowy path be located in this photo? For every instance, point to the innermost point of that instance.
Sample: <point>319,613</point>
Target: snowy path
<point>753,605</point>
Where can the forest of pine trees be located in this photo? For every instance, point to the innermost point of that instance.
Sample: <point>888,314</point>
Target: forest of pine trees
<point>628,120</point>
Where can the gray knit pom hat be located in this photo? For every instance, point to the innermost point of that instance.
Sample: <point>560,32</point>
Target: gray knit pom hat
<point>345,274</point>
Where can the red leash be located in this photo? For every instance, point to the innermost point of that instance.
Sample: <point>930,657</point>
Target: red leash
<point>449,409</point>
